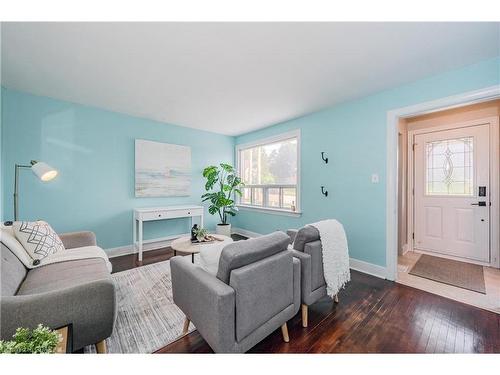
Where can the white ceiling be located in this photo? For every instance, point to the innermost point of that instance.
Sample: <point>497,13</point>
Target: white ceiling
<point>231,78</point>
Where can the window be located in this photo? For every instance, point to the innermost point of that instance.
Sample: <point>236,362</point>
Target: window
<point>450,167</point>
<point>270,171</point>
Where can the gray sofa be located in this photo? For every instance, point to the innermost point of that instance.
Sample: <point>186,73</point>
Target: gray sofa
<point>79,292</point>
<point>307,248</point>
<point>256,290</point>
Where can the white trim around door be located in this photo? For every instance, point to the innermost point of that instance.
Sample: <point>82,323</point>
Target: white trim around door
<point>393,116</point>
<point>493,184</point>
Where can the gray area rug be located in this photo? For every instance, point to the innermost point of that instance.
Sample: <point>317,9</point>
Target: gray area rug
<point>147,318</point>
<point>452,272</point>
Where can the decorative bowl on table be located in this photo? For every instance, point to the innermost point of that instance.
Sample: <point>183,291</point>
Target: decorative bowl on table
<point>206,239</point>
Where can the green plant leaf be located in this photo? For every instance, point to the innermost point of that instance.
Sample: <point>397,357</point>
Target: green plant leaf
<point>210,170</point>
<point>228,168</point>
<point>39,340</point>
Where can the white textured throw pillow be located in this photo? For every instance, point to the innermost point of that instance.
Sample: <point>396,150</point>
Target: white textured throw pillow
<point>9,239</point>
<point>38,238</point>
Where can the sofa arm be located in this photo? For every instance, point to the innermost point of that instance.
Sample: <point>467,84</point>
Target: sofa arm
<point>315,250</point>
<point>305,273</point>
<point>297,280</point>
<point>73,240</point>
<point>292,233</point>
<point>90,308</point>
<point>206,301</point>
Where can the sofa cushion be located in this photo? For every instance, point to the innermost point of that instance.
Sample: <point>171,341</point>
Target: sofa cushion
<point>63,275</point>
<point>78,253</point>
<point>38,238</point>
<point>73,240</point>
<point>12,272</point>
<point>305,235</point>
<point>241,253</point>
<point>11,242</point>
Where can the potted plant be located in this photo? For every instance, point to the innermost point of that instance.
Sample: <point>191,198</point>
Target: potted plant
<point>41,340</point>
<point>221,185</point>
<point>201,234</point>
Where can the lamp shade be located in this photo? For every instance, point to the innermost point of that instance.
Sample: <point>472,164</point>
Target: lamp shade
<point>44,171</point>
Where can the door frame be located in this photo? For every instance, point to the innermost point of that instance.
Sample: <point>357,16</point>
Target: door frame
<point>393,116</point>
<point>494,221</point>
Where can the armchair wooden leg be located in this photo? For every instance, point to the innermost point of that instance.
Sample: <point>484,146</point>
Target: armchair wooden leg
<point>304,315</point>
<point>336,299</point>
<point>186,326</point>
<point>284,332</point>
<point>101,348</point>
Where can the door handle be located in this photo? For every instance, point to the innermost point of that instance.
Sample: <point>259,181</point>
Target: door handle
<point>481,204</point>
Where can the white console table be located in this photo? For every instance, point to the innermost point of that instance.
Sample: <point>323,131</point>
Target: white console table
<point>161,213</point>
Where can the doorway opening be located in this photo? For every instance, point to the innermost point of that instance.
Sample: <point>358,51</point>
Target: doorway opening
<point>448,203</point>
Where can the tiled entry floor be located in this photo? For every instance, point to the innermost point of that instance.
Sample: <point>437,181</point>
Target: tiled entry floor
<point>489,301</point>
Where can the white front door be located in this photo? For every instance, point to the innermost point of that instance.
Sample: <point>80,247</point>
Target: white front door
<point>452,192</point>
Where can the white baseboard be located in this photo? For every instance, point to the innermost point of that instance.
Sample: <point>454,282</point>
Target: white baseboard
<point>369,268</point>
<point>148,245</point>
<point>246,233</point>
<point>355,264</point>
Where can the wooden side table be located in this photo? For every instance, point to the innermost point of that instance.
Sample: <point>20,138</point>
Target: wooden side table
<point>66,345</point>
<point>184,245</point>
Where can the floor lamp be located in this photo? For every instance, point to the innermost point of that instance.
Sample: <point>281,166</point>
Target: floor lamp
<point>42,170</point>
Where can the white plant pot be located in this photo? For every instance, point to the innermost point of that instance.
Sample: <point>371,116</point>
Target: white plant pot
<point>224,230</point>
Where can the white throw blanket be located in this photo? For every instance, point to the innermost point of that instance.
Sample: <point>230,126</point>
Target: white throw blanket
<point>78,253</point>
<point>335,255</point>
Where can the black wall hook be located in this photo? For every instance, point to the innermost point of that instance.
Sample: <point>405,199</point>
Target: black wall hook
<point>323,157</point>
<point>324,192</point>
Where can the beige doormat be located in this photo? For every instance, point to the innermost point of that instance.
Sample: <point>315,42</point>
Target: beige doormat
<point>451,272</point>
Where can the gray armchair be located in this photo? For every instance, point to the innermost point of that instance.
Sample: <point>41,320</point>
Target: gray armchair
<point>307,248</point>
<point>256,290</point>
<point>78,292</point>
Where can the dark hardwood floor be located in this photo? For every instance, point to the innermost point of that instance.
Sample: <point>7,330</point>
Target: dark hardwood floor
<point>373,316</point>
<point>126,262</point>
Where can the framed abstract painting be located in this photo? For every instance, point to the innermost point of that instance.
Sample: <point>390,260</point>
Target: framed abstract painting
<point>162,169</point>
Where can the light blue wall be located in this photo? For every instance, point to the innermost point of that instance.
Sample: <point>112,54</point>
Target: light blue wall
<point>93,150</point>
<point>353,135</point>
<point>1,156</point>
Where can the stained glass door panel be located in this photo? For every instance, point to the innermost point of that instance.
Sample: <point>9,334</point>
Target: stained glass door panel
<point>450,167</point>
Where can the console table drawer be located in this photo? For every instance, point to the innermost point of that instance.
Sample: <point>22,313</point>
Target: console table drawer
<point>158,215</point>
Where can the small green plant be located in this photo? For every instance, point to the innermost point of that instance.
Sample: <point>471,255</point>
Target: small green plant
<point>222,183</point>
<point>39,340</point>
<point>201,233</point>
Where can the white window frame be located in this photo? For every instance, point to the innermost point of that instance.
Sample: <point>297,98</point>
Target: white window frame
<point>262,142</point>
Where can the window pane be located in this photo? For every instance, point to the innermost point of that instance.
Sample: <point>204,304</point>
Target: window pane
<point>273,197</point>
<point>258,196</point>
<point>274,163</point>
<point>449,167</point>
<point>269,172</point>
<point>289,198</point>
<point>246,196</point>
